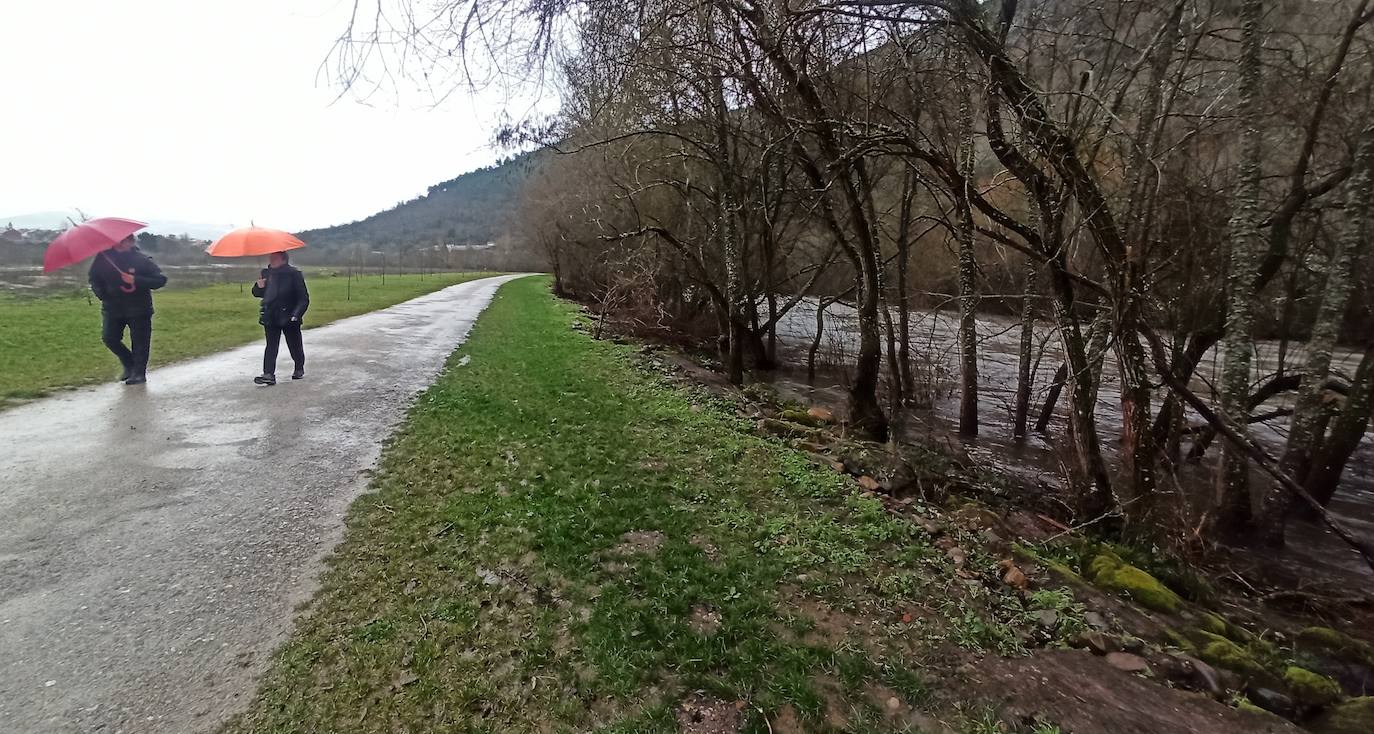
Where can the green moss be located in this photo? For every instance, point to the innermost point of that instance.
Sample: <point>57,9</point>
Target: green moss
<point>1355,716</point>
<point>1244,704</point>
<point>1212,623</point>
<point>1101,565</point>
<point>802,417</point>
<point>1224,653</point>
<point>1188,584</point>
<point>1311,689</point>
<point>1108,572</point>
<point>1323,637</point>
<point>1177,639</point>
<point>1337,644</point>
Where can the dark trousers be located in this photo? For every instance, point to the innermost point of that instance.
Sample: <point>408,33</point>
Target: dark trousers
<point>292,331</point>
<point>140,338</point>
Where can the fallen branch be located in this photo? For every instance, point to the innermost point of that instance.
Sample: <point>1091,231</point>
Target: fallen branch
<point>1257,453</point>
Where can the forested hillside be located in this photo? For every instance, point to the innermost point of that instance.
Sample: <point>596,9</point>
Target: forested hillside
<point>472,209</point>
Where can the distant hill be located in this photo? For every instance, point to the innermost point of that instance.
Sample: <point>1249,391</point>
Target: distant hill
<point>59,220</point>
<point>472,209</point>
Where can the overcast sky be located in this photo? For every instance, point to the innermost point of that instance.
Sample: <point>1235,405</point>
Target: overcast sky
<point>211,111</point>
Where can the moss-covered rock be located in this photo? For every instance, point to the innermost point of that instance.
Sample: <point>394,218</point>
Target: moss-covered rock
<point>1224,653</point>
<point>1179,640</point>
<point>1026,554</point>
<point>1355,716</point>
<point>1337,644</point>
<point>1189,584</point>
<point>1311,689</point>
<point>1109,572</point>
<point>1209,622</point>
<point>1323,637</point>
<point>803,417</point>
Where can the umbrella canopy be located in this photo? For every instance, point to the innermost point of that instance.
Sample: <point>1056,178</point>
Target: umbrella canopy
<point>250,241</point>
<point>86,239</point>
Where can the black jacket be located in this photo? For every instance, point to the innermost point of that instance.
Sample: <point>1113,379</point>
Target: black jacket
<point>283,297</point>
<point>117,298</point>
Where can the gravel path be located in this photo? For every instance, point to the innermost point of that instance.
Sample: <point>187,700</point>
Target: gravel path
<point>154,541</point>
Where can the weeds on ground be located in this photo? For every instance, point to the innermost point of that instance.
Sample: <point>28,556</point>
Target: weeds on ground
<point>561,540</point>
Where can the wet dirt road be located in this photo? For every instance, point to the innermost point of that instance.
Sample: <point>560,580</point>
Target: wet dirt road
<point>154,541</point>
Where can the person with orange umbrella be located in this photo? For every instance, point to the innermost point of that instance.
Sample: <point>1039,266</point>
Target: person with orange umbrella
<point>281,288</point>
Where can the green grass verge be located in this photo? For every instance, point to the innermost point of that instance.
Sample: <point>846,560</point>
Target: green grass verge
<point>560,539</point>
<point>54,342</point>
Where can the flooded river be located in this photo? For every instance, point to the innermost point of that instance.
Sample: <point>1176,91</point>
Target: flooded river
<point>934,347</point>
<point>25,280</point>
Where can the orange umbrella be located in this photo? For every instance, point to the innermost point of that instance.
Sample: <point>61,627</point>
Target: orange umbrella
<point>250,241</point>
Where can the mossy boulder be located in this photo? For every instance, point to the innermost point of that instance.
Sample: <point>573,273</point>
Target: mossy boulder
<point>1337,645</point>
<point>1108,571</point>
<point>1224,653</point>
<point>1355,716</point>
<point>803,417</point>
<point>1189,584</point>
<point>1311,689</point>
<point>1179,640</point>
<point>1026,554</point>
<point>1208,622</point>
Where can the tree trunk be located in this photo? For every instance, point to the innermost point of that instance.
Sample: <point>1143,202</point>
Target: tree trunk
<point>1024,379</point>
<point>896,398</point>
<point>1061,375</point>
<point>728,214</point>
<point>1309,409</point>
<point>1347,430</point>
<point>821,305</point>
<point>865,412</point>
<point>903,291</point>
<point>968,272</point>
<point>1234,517</point>
<point>1092,484</point>
<point>1290,299</point>
<point>1137,497</point>
<point>1137,439</point>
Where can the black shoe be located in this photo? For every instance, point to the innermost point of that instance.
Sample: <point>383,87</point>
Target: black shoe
<point>126,374</point>
<point>265,379</point>
<point>298,374</point>
<point>138,379</point>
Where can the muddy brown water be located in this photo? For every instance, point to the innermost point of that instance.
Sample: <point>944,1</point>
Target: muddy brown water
<point>1313,552</point>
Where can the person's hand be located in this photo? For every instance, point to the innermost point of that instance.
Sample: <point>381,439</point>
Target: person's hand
<point>128,277</point>
<point>262,282</point>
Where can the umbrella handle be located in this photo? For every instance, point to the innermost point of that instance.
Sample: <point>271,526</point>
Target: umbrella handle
<point>122,286</point>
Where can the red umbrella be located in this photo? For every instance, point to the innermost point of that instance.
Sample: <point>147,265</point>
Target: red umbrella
<point>86,239</point>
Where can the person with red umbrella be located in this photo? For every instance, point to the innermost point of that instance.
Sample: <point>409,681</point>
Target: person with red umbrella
<point>124,278</point>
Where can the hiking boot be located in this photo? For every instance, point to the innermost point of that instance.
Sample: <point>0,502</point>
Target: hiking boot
<point>126,374</point>
<point>136,379</point>
<point>266,378</point>
<point>298,374</point>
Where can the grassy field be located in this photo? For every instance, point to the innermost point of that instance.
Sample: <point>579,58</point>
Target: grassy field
<point>563,539</point>
<point>54,342</point>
